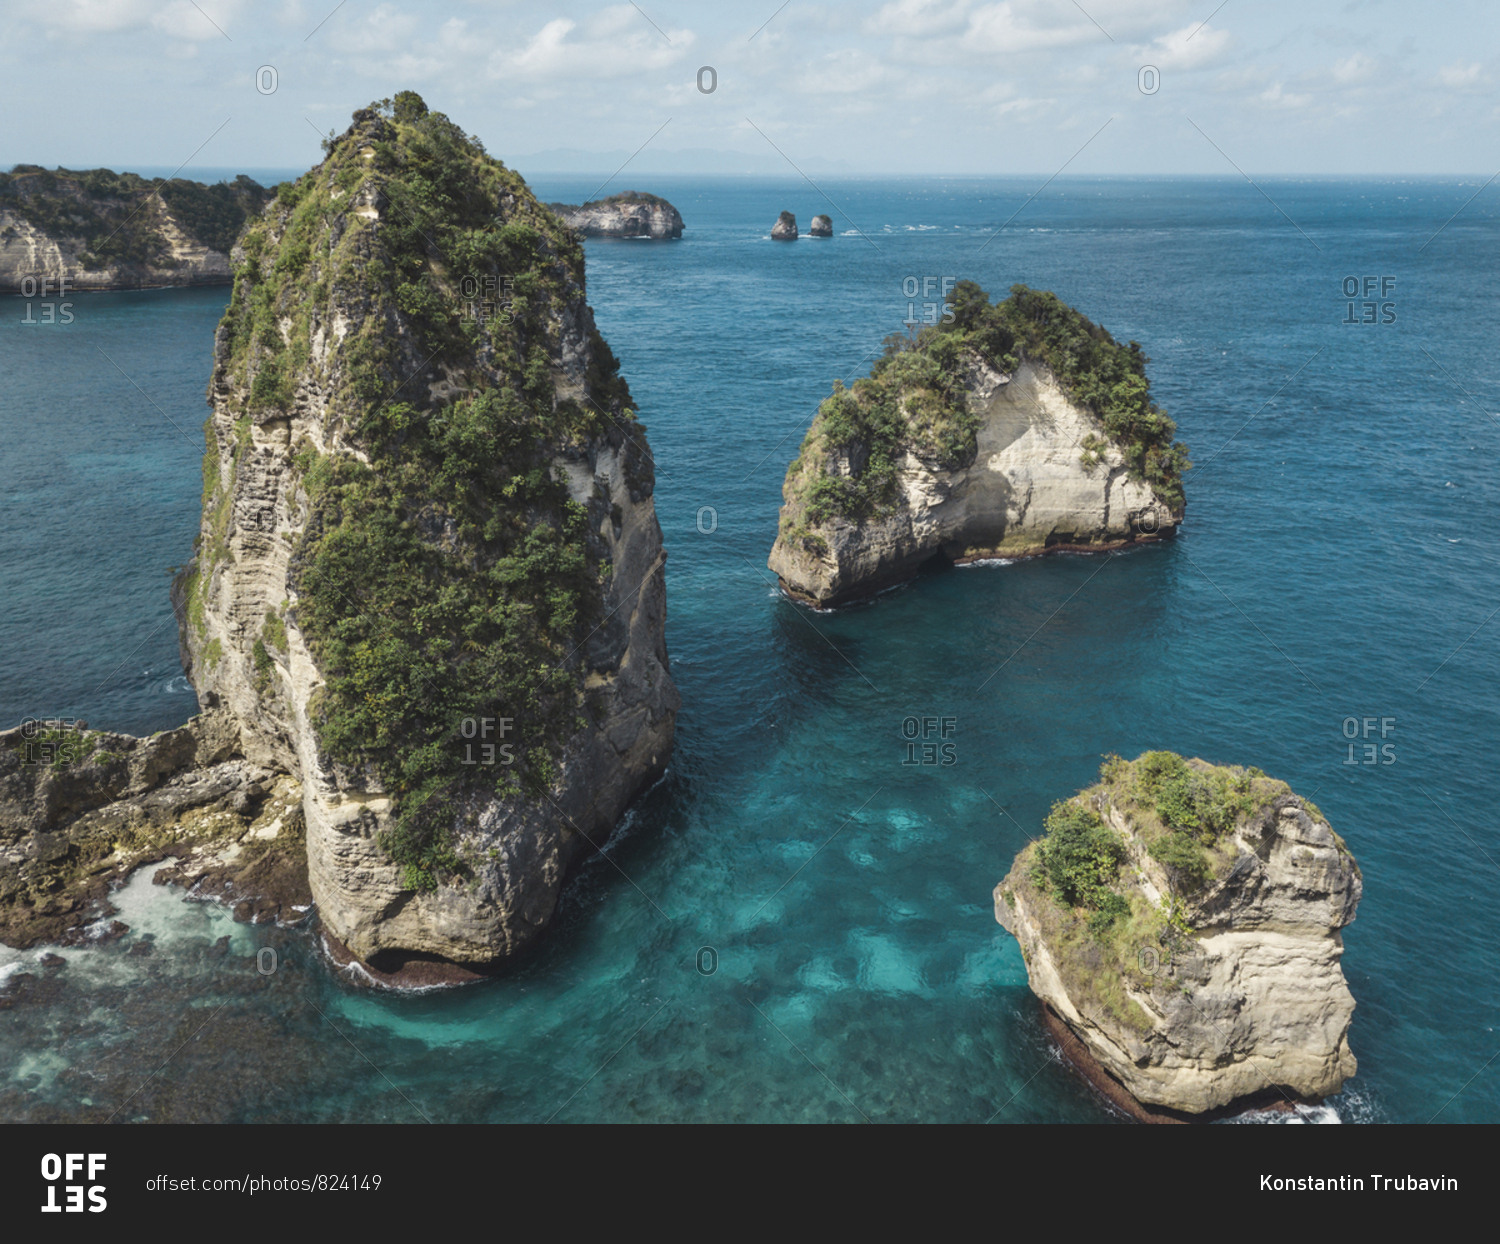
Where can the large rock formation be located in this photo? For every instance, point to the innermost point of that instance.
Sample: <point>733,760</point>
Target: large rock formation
<point>1002,431</point>
<point>100,230</point>
<point>628,215</point>
<point>429,578</point>
<point>785,228</point>
<point>821,227</point>
<point>1182,923</point>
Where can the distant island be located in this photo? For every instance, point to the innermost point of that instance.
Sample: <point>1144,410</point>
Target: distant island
<point>100,230</point>
<point>1181,923</point>
<point>631,214</point>
<point>1001,430</point>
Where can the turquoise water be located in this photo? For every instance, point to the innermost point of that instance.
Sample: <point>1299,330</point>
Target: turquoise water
<point>794,925</point>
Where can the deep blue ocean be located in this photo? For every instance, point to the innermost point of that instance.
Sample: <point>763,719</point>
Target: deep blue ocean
<point>795,925</point>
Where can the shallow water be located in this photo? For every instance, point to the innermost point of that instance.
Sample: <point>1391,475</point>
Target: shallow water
<point>1338,562</point>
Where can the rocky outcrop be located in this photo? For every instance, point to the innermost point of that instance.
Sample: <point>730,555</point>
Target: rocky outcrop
<point>429,580</point>
<point>628,215</point>
<point>80,808</point>
<point>98,230</point>
<point>785,228</point>
<point>1182,921</point>
<point>821,227</point>
<point>967,444</point>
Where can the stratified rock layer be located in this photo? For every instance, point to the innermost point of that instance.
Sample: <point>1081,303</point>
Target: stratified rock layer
<point>1024,491</point>
<point>1207,991</point>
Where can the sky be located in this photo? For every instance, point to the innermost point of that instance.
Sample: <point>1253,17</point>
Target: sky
<point>1258,87</point>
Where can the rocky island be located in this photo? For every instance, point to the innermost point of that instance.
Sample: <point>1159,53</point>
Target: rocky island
<point>821,227</point>
<point>785,228</point>
<point>1180,922</point>
<point>100,230</point>
<point>425,619</point>
<point>1009,429</point>
<point>628,215</point>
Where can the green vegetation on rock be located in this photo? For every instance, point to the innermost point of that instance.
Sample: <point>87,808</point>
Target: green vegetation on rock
<point>111,213</point>
<point>448,576</point>
<point>1106,937</point>
<point>914,400</point>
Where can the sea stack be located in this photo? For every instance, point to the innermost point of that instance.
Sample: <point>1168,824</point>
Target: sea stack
<point>429,575</point>
<point>821,227</point>
<point>1003,430</point>
<point>1180,922</point>
<point>628,215</point>
<point>785,228</point>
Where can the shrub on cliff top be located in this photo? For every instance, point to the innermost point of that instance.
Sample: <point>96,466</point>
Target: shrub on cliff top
<point>1080,855</point>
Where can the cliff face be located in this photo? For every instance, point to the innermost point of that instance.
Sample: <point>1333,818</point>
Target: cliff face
<point>966,443</point>
<point>628,215</point>
<point>1183,921</point>
<point>100,230</point>
<point>429,579</point>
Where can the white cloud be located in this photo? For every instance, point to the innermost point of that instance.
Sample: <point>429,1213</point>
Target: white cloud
<point>194,23</point>
<point>1459,74</point>
<point>920,19</point>
<point>1278,98</point>
<point>1354,69</point>
<point>1007,27</point>
<point>1192,47</point>
<point>617,42</point>
<point>210,19</point>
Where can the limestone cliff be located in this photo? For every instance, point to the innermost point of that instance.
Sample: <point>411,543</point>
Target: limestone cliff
<point>1182,920</point>
<point>100,230</point>
<point>785,228</point>
<point>1003,431</point>
<point>628,215</point>
<point>429,577</point>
